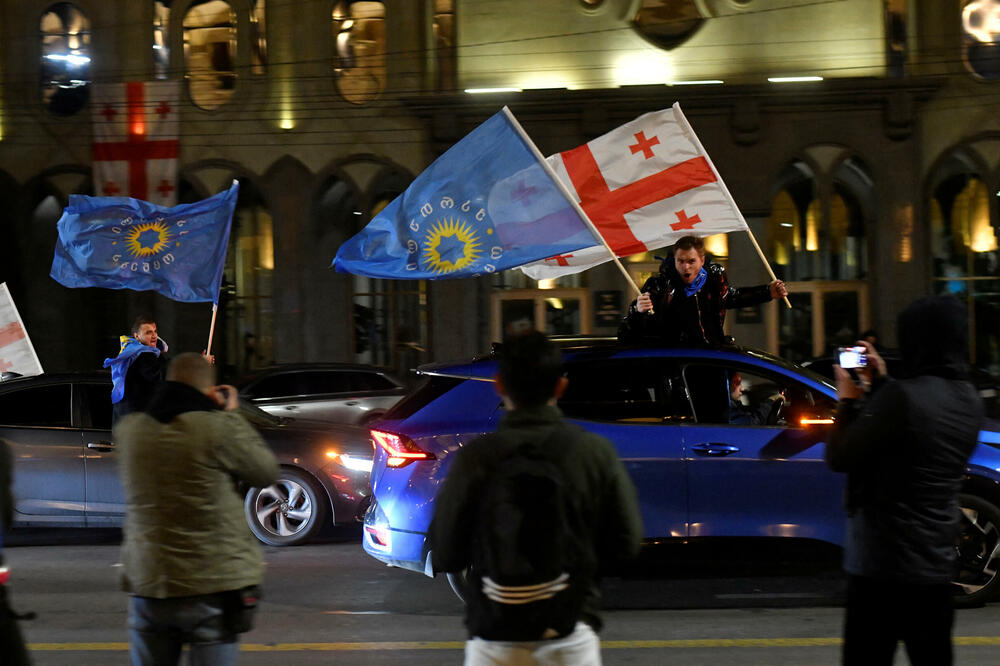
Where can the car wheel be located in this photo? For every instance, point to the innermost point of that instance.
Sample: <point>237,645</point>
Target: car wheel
<point>978,549</point>
<point>286,513</point>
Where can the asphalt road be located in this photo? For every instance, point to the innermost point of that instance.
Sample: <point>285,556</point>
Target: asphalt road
<point>329,602</point>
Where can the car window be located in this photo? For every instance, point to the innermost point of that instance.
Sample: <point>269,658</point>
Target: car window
<point>318,382</point>
<point>626,391</point>
<point>95,406</point>
<point>370,381</point>
<point>746,395</point>
<point>37,406</point>
<point>277,386</point>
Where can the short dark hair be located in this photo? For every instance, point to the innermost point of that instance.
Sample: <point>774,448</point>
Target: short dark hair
<point>688,242</point>
<point>140,321</point>
<point>530,368</point>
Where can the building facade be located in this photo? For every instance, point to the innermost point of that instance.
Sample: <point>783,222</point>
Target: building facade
<point>859,139</point>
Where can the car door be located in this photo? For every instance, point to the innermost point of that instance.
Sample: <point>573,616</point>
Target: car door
<point>36,421</point>
<point>639,404</point>
<point>105,495</point>
<point>765,479</point>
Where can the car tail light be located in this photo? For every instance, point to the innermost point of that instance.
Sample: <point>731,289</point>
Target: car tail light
<point>400,448</point>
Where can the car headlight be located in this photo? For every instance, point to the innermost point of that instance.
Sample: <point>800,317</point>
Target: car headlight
<point>352,462</point>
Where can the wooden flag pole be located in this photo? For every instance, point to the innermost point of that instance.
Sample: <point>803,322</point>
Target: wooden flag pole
<point>569,196</point>
<point>725,190</point>
<point>211,329</point>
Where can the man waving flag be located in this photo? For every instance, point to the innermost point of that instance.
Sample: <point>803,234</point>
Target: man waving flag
<point>643,185</point>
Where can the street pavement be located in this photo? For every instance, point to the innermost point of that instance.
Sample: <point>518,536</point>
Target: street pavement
<point>328,602</point>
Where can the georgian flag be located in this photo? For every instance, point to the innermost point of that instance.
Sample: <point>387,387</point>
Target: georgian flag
<point>136,140</point>
<point>16,352</point>
<point>643,185</point>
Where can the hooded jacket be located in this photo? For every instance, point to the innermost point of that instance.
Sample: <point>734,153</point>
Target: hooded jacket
<point>904,450</point>
<point>181,465</point>
<point>695,320</point>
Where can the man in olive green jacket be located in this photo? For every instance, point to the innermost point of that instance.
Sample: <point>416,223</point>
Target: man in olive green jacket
<point>189,558</point>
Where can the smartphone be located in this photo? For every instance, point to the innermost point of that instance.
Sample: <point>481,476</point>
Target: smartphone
<point>852,357</point>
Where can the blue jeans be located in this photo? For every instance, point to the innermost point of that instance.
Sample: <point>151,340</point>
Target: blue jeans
<point>159,628</point>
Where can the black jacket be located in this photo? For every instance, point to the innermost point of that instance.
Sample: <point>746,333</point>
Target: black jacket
<point>904,450</point>
<point>696,319</point>
<point>591,466</point>
<point>146,374</point>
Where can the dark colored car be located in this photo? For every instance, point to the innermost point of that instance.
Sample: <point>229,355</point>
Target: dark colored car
<point>58,428</point>
<point>987,385</point>
<point>699,475</point>
<point>331,392</point>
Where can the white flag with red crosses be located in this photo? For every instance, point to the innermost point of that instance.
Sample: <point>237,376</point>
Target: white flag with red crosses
<point>643,185</point>
<point>16,353</point>
<point>136,140</point>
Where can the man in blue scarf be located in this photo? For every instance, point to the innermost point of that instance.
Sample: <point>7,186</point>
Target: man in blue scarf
<point>138,369</point>
<point>689,299</point>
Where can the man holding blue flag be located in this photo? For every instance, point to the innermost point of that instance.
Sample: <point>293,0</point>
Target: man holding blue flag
<point>138,369</point>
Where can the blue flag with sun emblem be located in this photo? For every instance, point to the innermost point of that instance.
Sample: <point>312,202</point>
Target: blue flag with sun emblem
<point>124,243</point>
<point>485,205</point>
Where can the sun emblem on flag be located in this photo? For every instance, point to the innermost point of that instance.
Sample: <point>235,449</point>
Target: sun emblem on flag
<point>451,245</point>
<point>147,239</point>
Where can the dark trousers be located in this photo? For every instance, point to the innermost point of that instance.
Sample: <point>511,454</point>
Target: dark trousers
<point>12,649</point>
<point>881,613</point>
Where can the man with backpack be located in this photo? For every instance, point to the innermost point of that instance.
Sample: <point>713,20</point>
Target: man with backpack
<point>533,513</point>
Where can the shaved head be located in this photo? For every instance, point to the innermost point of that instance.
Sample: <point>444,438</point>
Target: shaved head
<point>192,369</point>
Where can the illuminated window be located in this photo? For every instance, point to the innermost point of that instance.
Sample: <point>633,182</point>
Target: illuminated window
<point>360,48</point>
<point>808,244</point>
<point>965,254</point>
<point>258,38</point>
<point>161,38</point>
<point>210,52</point>
<point>65,66</point>
<point>980,31</point>
<point>249,278</point>
<point>667,23</point>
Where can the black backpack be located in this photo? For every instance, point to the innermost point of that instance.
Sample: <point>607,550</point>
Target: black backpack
<point>529,560</point>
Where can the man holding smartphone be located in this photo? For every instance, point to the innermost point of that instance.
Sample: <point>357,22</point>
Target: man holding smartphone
<point>189,560</point>
<point>904,445</point>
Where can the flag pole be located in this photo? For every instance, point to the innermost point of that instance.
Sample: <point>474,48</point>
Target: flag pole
<point>569,196</point>
<point>215,305</point>
<point>211,329</point>
<point>725,190</point>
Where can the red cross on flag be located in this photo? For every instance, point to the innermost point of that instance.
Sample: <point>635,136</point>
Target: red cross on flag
<point>136,132</point>
<point>16,352</point>
<point>643,185</point>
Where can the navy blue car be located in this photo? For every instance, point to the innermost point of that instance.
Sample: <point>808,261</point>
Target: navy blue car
<point>708,458</point>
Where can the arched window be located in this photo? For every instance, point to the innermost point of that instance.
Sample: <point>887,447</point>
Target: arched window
<point>964,252</point>
<point>249,278</point>
<point>980,31</point>
<point>360,49</point>
<point>816,240</point>
<point>65,67</point>
<point>210,52</point>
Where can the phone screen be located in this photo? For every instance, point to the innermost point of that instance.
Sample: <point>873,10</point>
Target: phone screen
<point>853,357</point>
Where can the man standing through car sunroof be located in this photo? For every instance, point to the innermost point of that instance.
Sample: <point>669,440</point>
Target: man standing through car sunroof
<point>189,559</point>
<point>532,512</point>
<point>686,302</point>
<point>138,369</point>
<point>904,447</point>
